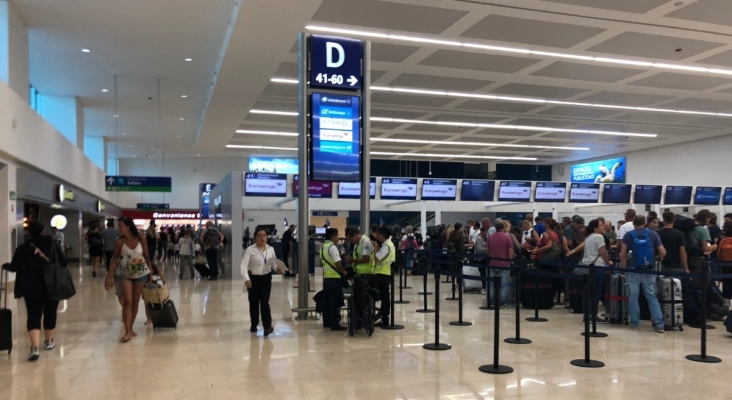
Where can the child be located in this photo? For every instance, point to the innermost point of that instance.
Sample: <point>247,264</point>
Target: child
<point>197,248</point>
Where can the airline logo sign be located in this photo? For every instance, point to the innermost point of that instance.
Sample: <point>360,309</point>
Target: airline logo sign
<point>352,190</point>
<point>263,184</point>
<point>433,189</point>
<point>584,193</point>
<point>316,189</point>
<point>514,191</point>
<point>336,123</point>
<point>337,136</point>
<point>551,191</point>
<point>399,188</point>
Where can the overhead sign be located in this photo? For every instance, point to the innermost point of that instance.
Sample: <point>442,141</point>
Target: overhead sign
<point>101,206</point>
<point>352,190</point>
<point>707,195</point>
<point>325,213</point>
<point>316,189</point>
<point>439,189</point>
<point>273,165</point>
<point>266,185</point>
<point>677,195</point>
<point>206,189</point>
<point>64,194</point>
<point>727,201</point>
<point>604,171</point>
<point>584,193</point>
<point>647,194</point>
<point>616,193</point>
<point>550,192</point>
<point>477,190</point>
<point>138,183</point>
<point>153,206</point>
<point>336,149</point>
<point>514,191</point>
<point>336,62</point>
<point>399,188</point>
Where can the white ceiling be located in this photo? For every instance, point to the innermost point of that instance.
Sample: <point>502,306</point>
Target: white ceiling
<point>142,41</point>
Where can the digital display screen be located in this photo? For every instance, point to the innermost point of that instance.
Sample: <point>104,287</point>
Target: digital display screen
<point>514,191</point>
<point>604,171</point>
<point>316,189</point>
<point>399,188</point>
<point>584,193</point>
<point>477,190</point>
<point>266,185</point>
<point>706,195</point>
<point>727,201</point>
<point>677,195</point>
<point>616,193</point>
<point>336,138</point>
<point>320,231</point>
<point>439,189</point>
<point>352,190</point>
<point>273,165</point>
<point>647,194</point>
<point>547,192</point>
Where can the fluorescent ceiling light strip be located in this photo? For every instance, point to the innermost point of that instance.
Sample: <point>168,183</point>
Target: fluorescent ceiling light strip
<point>251,132</point>
<point>525,99</point>
<point>272,112</point>
<point>380,153</point>
<point>610,60</point>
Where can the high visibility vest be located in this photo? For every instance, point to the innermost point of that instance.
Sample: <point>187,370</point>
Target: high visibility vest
<point>329,270</point>
<point>384,266</point>
<point>366,268</point>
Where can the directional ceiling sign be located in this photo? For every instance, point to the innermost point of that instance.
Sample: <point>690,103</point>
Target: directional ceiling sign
<point>336,62</point>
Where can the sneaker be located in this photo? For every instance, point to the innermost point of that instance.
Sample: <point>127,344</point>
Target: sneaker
<point>253,329</point>
<point>34,354</point>
<point>600,320</point>
<point>634,328</point>
<point>268,331</point>
<point>50,345</point>
<point>659,329</point>
<point>338,328</point>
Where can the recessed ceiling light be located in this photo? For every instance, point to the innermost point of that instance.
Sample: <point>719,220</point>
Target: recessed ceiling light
<point>178,136</point>
<point>241,146</point>
<point>184,96</point>
<point>124,134</point>
<point>379,153</point>
<point>198,155</point>
<point>130,145</point>
<point>189,59</point>
<point>105,90</point>
<point>284,80</point>
<point>182,119</point>
<point>85,50</point>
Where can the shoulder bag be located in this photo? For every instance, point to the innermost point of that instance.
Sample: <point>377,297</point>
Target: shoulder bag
<point>59,284</point>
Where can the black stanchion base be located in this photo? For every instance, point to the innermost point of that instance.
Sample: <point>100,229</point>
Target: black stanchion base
<point>401,302</point>
<point>699,326</point>
<point>486,308</point>
<point>425,311</point>
<point>405,287</point>
<point>446,282</point>
<point>495,369</point>
<point>436,346</point>
<point>423,293</point>
<point>452,298</point>
<point>392,327</point>
<point>517,341</point>
<point>707,359</point>
<point>460,323</point>
<point>591,364</point>
<point>532,319</point>
<point>596,334</point>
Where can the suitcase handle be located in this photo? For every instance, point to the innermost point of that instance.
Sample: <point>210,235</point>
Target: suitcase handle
<point>4,283</point>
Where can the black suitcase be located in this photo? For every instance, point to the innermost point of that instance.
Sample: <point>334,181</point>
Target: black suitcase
<point>6,316</point>
<point>576,296</point>
<point>203,270</point>
<point>546,291</point>
<point>163,315</point>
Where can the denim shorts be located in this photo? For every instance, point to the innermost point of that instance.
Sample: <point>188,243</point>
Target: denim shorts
<point>118,279</point>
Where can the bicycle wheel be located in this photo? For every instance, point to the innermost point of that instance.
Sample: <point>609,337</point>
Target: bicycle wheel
<point>352,317</point>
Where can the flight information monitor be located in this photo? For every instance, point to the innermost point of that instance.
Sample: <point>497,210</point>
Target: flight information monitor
<point>549,192</point>
<point>616,193</point>
<point>399,188</point>
<point>477,190</point>
<point>727,201</point>
<point>335,145</point>
<point>706,195</point>
<point>647,194</point>
<point>439,189</point>
<point>514,191</point>
<point>316,189</point>
<point>266,185</point>
<point>677,195</point>
<point>584,193</point>
<point>352,190</point>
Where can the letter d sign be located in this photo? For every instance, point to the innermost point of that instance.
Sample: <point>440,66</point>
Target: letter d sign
<point>330,46</point>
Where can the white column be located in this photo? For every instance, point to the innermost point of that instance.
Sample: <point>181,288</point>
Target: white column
<point>14,61</point>
<point>423,216</point>
<point>438,216</point>
<point>555,212</point>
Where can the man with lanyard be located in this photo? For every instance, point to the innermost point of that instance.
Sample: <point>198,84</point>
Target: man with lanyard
<point>362,252</point>
<point>385,256</point>
<point>332,284</point>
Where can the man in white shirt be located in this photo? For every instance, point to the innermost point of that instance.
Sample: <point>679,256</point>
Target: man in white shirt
<point>470,231</point>
<point>628,225</point>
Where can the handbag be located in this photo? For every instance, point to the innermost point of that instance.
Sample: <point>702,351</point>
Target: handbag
<point>59,284</point>
<point>152,293</point>
<point>200,259</point>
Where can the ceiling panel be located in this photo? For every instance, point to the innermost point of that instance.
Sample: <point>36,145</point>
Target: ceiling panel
<point>671,80</point>
<point>584,72</point>
<point>508,133</point>
<point>709,11</point>
<point>519,30</point>
<point>653,46</point>
<point>633,6</point>
<point>498,106</point>
<point>391,113</point>
<point>723,59</point>
<point>714,122</point>
<point>477,119</point>
<point>388,52</point>
<point>652,118</point>
<point>280,90</point>
<point>455,130</point>
<point>551,123</point>
<point>287,70</point>
<point>541,91</point>
<point>477,61</point>
<point>536,142</point>
<point>700,104</point>
<point>439,82</point>
<point>728,91</point>
<point>409,100</point>
<point>579,112</point>
<point>626,99</point>
<point>387,15</point>
<point>421,136</point>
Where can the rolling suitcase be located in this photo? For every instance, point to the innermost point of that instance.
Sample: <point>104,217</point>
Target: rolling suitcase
<point>471,284</point>
<point>528,290</point>
<point>163,315</point>
<point>6,316</point>
<point>576,296</point>
<point>202,270</point>
<point>671,299</point>
<point>616,300</point>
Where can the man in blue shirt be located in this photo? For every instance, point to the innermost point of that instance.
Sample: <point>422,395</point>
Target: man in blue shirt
<point>637,242</point>
<point>539,227</point>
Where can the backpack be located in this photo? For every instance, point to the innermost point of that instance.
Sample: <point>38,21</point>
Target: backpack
<point>410,243</point>
<point>724,253</point>
<point>555,253</point>
<point>644,255</point>
<point>211,238</point>
<point>420,241</point>
<point>686,226</point>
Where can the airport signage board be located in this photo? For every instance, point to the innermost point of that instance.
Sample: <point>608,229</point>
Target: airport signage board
<point>727,201</point>
<point>316,189</point>
<point>336,140</point>
<point>474,190</point>
<point>153,206</point>
<point>647,194</point>
<point>336,62</point>
<point>265,184</point>
<point>617,193</point>
<point>677,195</point>
<point>399,188</point>
<point>439,189</point>
<point>549,192</point>
<point>584,193</point>
<point>706,195</point>
<point>603,171</point>
<point>514,191</point>
<point>138,183</point>
<point>352,190</point>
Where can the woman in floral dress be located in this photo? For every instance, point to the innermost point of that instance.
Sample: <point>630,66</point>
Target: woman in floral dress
<point>130,268</point>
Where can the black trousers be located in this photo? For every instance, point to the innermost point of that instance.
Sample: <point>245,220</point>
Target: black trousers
<point>382,282</point>
<point>286,260</point>
<point>212,257</point>
<point>108,257</point>
<point>332,301</point>
<point>259,299</point>
<point>41,308</point>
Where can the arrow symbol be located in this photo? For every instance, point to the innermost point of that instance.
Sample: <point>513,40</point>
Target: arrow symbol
<point>352,80</point>
<point>110,181</point>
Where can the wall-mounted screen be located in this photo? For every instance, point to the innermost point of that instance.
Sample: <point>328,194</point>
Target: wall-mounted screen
<point>439,189</point>
<point>514,191</point>
<point>316,189</point>
<point>477,190</point>
<point>727,200</point>
<point>647,194</point>
<point>603,171</point>
<point>584,193</point>
<point>677,195</point>
<point>273,165</point>
<point>549,192</point>
<point>399,188</point>
<point>616,193</point>
<point>266,185</point>
<point>706,195</point>
<point>336,138</point>
<point>352,190</point>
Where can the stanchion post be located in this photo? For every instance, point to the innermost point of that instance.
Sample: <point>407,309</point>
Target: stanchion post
<point>401,300</point>
<point>424,291</point>
<point>703,357</point>
<point>536,318</point>
<point>392,326</point>
<point>437,345</point>
<point>410,255</point>
<point>460,265</point>
<point>517,295</point>
<point>460,321</point>
<point>590,294</point>
<point>496,368</point>
<point>587,362</point>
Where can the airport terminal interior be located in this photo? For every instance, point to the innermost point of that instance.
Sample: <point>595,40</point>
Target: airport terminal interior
<point>183,186</point>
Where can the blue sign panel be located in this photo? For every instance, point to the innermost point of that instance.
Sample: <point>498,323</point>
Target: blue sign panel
<point>707,195</point>
<point>514,191</point>
<point>206,189</point>
<point>335,62</point>
<point>727,201</point>
<point>325,213</point>
<point>604,171</point>
<point>677,195</point>
<point>477,190</point>
<point>274,165</point>
<point>647,194</point>
<point>336,149</point>
<point>584,193</point>
<point>153,206</point>
<point>616,193</point>
<point>399,188</point>
<point>138,183</point>
<point>439,189</point>
<point>549,192</point>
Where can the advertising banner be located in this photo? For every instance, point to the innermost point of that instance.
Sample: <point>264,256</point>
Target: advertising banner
<point>604,171</point>
<point>273,165</point>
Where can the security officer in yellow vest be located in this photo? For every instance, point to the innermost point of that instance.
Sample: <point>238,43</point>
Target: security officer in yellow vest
<point>385,256</point>
<point>332,284</point>
<point>363,250</point>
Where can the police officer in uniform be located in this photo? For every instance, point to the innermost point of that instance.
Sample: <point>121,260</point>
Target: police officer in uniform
<point>332,284</point>
<point>385,257</point>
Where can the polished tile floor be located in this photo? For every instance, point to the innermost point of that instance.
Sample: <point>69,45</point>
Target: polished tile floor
<point>213,356</point>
